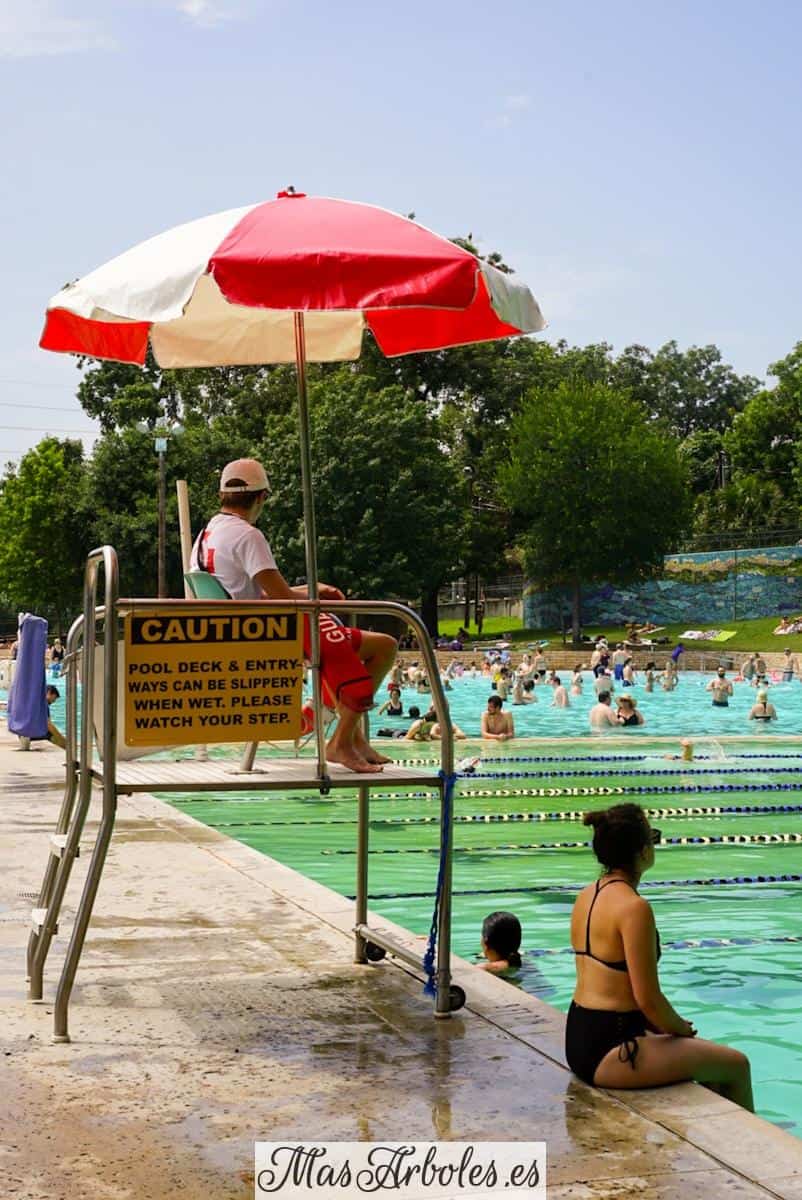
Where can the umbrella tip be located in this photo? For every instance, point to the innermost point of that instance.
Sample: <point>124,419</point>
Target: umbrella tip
<point>290,193</point>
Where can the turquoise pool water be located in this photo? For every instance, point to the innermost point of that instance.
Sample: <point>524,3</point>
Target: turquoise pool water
<point>732,943</point>
<point>685,711</point>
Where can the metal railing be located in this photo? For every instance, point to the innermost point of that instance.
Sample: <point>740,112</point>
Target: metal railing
<point>80,773</point>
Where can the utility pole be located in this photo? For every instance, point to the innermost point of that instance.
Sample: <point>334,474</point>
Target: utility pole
<point>161,448</point>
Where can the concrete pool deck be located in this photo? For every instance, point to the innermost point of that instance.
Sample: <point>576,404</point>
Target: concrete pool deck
<point>216,1004</point>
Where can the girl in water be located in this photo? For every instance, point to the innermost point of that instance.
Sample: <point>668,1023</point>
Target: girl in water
<point>501,942</point>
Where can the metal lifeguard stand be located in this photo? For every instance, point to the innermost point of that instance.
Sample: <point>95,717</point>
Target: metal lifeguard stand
<point>117,778</point>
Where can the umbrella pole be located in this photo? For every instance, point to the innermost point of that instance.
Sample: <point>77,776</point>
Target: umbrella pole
<point>310,539</point>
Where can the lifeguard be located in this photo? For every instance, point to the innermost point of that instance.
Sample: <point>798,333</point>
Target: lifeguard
<point>353,663</point>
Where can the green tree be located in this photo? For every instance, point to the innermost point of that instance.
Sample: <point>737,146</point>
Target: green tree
<point>763,449</point>
<point>703,454</point>
<point>765,437</point>
<point>596,489</point>
<point>43,535</point>
<point>745,512</point>
<point>688,390</point>
<point>122,481</point>
<point>120,395</point>
<point>388,497</point>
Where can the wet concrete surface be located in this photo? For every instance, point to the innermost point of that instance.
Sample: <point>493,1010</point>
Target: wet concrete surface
<point>217,1004</point>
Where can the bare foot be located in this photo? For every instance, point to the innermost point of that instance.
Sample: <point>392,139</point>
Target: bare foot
<point>348,757</point>
<point>368,753</point>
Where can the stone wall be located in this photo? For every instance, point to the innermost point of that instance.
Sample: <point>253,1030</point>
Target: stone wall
<point>496,606</point>
<point>716,587</point>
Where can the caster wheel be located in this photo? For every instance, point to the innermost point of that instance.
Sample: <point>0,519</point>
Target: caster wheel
<point>456,997</point>
<point>375,953</point>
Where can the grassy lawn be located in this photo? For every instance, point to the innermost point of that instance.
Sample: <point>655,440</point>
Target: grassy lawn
<point>750,635</point>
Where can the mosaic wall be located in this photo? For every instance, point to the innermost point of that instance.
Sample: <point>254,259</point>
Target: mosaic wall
<point>695,589</point>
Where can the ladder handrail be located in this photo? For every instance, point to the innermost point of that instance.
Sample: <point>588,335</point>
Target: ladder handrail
<point>35,963</point>
<point>108,557</point>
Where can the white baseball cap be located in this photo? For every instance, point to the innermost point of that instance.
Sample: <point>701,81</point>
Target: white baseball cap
<point>244,475</point>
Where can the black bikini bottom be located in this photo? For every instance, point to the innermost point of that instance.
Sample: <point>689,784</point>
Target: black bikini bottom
<point>590,1033</point>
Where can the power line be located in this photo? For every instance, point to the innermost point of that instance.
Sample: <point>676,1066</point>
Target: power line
<point>38,429</point>
<point>55,387</point>
<point>40,407</point>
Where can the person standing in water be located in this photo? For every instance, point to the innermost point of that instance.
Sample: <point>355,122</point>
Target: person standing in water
<point>790,665</point>
<point>601,716</point>
<point>762,710</point>
<point>721,688</point>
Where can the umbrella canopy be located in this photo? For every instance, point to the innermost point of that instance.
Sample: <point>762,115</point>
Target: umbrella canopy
<point>223,290</point>
<point>298,278</point>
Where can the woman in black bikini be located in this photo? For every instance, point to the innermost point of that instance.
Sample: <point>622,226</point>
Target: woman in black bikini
<point>763,711</point>
<point>618,1004</point>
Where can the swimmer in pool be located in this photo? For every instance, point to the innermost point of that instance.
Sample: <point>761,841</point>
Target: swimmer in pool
<point>601,716</point>
<point>522,691</point>
<point>721,688</point>
<point>628,713</point>
<point>501,942</point>
<point>393,707</point>
<point>762,710</point>
<point>497,726</point>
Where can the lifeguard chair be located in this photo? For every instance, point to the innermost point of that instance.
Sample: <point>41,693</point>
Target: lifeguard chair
<point>135,633</point>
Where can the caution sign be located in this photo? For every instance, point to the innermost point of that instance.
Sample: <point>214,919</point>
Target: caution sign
<point>200,675</point>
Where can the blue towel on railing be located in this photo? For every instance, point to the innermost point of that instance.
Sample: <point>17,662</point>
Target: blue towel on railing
<point>27,706</point>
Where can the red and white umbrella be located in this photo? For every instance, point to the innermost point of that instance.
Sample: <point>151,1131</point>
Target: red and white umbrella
<point>223,290</point>
<point>298,278</point>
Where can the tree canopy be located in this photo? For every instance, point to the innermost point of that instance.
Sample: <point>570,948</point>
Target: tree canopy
<point>43,532</point>
<point>597,490</point>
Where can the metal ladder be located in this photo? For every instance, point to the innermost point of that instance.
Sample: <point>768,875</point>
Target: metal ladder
<point>65,842</point>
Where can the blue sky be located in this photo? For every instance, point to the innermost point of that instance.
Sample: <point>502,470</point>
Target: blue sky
<point>637,163</point>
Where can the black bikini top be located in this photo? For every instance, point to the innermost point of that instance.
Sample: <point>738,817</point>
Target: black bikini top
<point>587,953</point>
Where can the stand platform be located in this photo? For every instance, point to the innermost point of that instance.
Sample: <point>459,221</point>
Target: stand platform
<point>270,775</point>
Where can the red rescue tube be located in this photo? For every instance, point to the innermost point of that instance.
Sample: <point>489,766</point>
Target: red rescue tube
<point>345,680</point>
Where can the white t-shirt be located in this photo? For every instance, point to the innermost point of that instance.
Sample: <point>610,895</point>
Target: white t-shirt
<point>235,552</point>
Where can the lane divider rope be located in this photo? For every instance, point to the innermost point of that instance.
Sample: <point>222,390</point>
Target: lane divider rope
<point>501,818</point>
<point>601,758</point>
<point>731,839</point>
<point>659,789</point>
<point>685,771</point>
<point>573,888</point>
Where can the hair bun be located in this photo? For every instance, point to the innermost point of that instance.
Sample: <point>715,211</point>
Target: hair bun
<point>594,818</point>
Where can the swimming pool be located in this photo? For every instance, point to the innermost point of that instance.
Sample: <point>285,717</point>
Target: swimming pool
<point>728,910</point>
<point>685,711</point>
